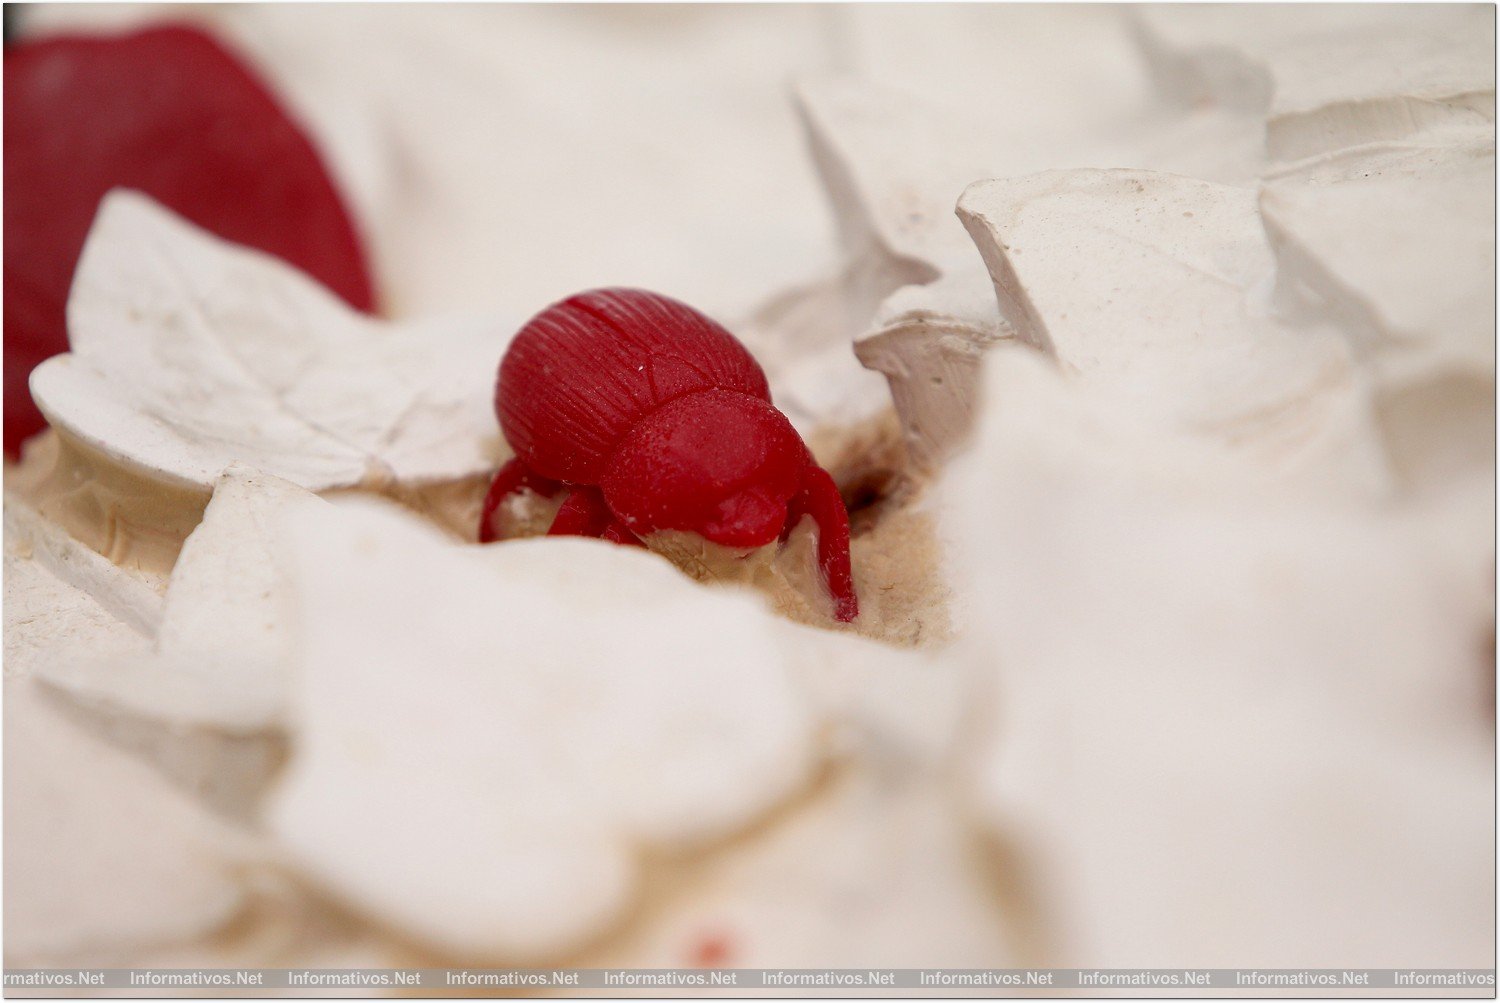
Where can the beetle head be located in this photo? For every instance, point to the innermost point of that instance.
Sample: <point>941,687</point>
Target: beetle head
<point>719,463</point>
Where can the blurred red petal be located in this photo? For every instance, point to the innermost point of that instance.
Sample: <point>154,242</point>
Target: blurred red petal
<point>169,112</point>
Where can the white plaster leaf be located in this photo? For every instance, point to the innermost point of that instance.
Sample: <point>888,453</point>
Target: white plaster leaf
<point>542,710</point>
<point>219,655</point>
<point>1399,241</point>
<point>1326,78</point>
<point>189,354</point>
<point>64,602</point>
<point>886,809</point>
<point>917,299</point>
<point>1156,286</point>
<point>101,857</point>
<point>1197,679</point>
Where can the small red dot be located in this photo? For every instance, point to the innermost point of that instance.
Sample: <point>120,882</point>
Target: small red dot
<point>713,950</point>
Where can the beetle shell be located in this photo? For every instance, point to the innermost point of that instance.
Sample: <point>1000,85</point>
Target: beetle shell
<point>583,372</point>
<point>653,417</point>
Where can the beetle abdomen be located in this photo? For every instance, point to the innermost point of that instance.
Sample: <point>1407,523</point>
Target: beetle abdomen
<point>582,372</point>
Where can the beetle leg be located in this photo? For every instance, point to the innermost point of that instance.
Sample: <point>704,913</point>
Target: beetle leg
<point>616,532</point>
<point>514,477</point>
<point>584,512</point>
<point>819,498</point>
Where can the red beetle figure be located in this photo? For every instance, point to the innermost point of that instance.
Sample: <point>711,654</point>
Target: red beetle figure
<point>653,417</point>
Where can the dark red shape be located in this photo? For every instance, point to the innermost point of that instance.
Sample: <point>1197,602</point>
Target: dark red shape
<point>582,513</point>
<point>169,112</point>
<point>663,421</point>
<point>513,477</point>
